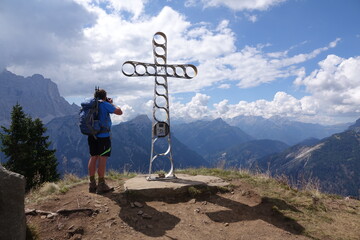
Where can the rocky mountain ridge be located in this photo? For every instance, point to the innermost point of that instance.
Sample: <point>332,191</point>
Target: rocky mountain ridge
<point>333,163</point>
<point>39,97</point>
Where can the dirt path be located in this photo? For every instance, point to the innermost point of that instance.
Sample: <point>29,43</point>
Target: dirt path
<point>241,214</point>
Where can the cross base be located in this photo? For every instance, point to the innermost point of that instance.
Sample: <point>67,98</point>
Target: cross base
<point>149,178</point>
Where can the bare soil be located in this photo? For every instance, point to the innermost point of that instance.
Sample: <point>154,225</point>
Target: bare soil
<point>239,214</point>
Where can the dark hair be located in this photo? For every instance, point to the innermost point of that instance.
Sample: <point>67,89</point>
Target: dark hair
<point>100,94</point>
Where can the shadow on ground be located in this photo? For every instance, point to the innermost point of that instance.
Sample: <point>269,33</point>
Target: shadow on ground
<point>155,223</point>
<point>268,210</point>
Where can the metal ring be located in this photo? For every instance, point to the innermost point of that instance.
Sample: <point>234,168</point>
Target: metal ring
<point>162,35</point>
<point>183,71</point>
<point>162,60</point>
<point>159,54</point>
<point>193,68</point>
<point>128,74</point>
<point>137,68</point>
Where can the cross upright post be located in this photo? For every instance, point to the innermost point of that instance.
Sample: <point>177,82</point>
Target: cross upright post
<point>161,114</point>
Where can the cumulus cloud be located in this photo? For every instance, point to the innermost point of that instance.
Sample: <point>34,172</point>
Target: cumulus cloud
<point>282,104</point>
<point>197,108</point>
<point>336,83</point>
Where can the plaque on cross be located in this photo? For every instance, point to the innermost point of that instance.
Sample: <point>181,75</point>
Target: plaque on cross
<point>161,114</point>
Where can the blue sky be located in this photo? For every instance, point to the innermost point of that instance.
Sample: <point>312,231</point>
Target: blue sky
<point>292,58</point>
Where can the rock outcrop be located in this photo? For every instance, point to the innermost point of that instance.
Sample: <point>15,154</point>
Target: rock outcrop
<point>12,213</point>
<point>38,96</point>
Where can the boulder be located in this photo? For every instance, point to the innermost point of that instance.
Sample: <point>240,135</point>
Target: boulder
<point>12,213</point>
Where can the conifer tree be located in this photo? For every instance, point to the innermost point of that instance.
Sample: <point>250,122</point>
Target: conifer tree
<point>26,149</point>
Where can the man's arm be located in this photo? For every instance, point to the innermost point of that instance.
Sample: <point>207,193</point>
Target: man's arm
<point>117,110</point>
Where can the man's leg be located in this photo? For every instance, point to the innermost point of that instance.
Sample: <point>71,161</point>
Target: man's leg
<point>92,170</point>
<point>92,163</point>
<point>102,186</point>
<point>105,144</point>
<point>102,166</point>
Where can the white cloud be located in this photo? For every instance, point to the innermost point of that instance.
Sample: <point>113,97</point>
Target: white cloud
<point>224,86</point>
<point>197,108</point>
<point>251,17</point>
<point>336,84</point>
<point>240,5</point>
<point>282,105</point>
<point>190,3</point>
<point>252,67</point>
<point>135,7</point>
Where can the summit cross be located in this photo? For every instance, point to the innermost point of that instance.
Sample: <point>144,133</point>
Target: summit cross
<point>161,114</point>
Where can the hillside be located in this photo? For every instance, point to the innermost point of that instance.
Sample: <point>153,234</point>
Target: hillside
<point>334,163</point>
<point>255,207</point>
<point>245,155</point>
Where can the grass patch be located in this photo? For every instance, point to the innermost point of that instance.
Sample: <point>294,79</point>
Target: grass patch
<point>31,232</point>
<point>48,189</point>
<point>224,174</point>
<point>69,181</point>
<point>198,191</point>
<point>115,175</point>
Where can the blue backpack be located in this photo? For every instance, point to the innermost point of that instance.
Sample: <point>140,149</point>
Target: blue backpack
<point>89,118</point>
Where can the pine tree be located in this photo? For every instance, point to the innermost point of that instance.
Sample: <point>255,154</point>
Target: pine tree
<point>26,148</point>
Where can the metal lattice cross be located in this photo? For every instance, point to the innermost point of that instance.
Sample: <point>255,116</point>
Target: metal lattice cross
<point>161,115</point>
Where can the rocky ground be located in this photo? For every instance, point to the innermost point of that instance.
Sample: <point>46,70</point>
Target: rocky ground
<point>237,214</point>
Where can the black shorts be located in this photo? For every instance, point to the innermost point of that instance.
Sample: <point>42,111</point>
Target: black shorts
<point>99,146</point>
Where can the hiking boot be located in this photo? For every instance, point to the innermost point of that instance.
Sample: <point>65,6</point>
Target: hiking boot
<point>103,188</point>
<point>92,187</point>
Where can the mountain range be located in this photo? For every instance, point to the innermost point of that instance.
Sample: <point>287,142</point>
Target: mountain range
<point>209,137</point>
<point>38,96</point>
<point>282,129</point>
<point>131,145</point>
<point>329,155</point>
<point>333,163</point>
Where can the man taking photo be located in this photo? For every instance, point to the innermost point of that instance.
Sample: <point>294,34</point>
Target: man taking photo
<point>100,144</point>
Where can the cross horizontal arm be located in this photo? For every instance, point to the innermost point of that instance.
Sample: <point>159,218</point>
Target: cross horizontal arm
<point>140,69</point>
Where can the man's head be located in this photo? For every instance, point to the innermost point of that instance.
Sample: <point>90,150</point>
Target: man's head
<point>100,94</point>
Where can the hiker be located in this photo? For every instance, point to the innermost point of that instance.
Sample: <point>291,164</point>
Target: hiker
<point>100,144</point>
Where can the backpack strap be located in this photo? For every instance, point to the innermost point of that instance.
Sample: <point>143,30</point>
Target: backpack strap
<point>103,129</point>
